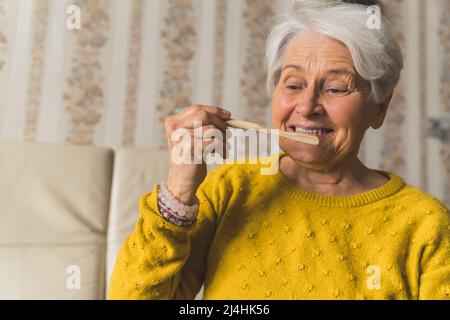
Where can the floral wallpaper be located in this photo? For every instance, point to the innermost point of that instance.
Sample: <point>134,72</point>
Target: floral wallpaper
<point>393,153</point>
<point>133,73</point>
<point>179,36</point>
<point>85,87</point>
<point>423,93</point>
<point>444,34</point>
<point>3,39</point>
<point>219,51</point>
<point>257,14</point>
<point>36,71</point>
<point>84,96</point>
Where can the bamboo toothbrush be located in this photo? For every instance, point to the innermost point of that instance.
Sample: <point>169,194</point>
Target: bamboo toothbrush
<point>296,136</point>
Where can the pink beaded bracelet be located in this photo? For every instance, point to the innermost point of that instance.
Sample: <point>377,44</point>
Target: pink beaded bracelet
<point>176,207</point>
<point>175,211</point>
<point>162,206</point>
<point>171,218</point>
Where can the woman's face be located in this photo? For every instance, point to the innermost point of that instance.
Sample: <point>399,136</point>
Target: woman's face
<point>319,88</point>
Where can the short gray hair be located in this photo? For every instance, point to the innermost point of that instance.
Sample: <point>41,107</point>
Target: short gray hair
<point>375,53</point>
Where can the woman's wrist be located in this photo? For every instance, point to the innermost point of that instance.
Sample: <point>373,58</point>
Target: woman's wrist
<point>185,195</point>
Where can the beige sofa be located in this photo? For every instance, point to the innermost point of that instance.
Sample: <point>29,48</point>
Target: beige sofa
<point>65,212</point>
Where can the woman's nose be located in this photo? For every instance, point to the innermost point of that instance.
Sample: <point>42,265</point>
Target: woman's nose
<point>309,104</point>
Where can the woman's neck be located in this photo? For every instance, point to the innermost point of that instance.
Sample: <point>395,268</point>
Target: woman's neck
<point>348,178</point>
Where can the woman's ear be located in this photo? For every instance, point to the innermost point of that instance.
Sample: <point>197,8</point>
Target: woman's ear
<point>381,110</point>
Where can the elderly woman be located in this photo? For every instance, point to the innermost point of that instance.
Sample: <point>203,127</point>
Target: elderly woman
<point>324,226</point>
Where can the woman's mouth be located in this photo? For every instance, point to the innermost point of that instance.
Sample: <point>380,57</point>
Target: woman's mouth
<point>321,133</point>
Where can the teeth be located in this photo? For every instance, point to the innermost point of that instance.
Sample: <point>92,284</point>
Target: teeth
<point>315,132</point>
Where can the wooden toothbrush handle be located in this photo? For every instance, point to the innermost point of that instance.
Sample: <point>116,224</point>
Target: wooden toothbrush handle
<point>296,136</point>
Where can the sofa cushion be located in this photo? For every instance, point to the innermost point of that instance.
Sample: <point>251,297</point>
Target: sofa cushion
<point>135,172</point>
<point>53,220</point>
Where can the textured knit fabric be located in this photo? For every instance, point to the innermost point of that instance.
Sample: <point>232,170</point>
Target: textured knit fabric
<point>260,237</point>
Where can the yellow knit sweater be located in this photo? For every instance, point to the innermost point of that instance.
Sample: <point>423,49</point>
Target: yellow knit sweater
<point>260,237</point>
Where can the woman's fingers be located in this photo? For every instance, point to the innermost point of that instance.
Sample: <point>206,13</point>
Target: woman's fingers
<point>198,116</point>
<point>219,112</point>
<point>200,122</point>
<point>206,116</point>
<point>207,134</point>
<point>180,128</point>
<point>215,141</point>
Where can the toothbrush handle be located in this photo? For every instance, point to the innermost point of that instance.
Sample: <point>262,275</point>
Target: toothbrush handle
<point>296,136</point>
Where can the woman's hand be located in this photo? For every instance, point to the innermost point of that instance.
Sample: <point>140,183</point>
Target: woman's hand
<point>184,179</point>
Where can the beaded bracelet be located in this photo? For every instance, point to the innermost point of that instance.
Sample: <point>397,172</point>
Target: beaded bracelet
<point>169,210</point>
<point>179,209</point>
<point>173,210</point>
<point>171,218</point>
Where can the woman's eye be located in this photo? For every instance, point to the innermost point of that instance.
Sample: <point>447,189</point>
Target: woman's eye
<point>294,87</point>
<point>336,91</point>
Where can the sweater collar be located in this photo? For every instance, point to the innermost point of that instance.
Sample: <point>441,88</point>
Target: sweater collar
<point>391,187</point>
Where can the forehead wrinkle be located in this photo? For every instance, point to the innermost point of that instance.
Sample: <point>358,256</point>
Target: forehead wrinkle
<point>340,71</point>
<point>312,62</point>
<point>314,54</point>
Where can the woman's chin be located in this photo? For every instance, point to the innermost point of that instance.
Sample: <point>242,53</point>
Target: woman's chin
<point>305,153</point>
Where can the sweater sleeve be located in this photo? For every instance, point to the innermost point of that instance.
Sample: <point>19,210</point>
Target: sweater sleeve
<point>160,260</point>
<point>435,266</point>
